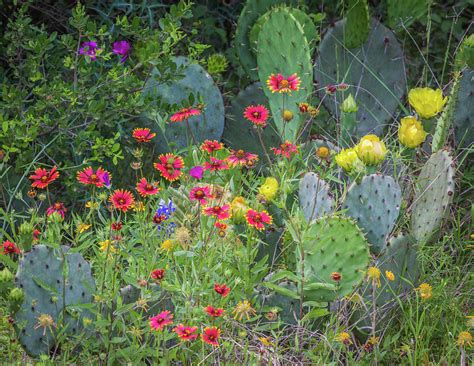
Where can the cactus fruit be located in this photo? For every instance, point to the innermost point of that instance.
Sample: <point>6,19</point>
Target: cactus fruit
<point>315,197</point>
<point>433,195</point>
<point>196,82</point>
<point>333,245</point>
<point>252,10</point>
<point>283,48</point>
<point>53,283</point>
<point>357,24</point>
<point>240,133</point>
<point>463,118</point>
<point>375,204</point>
<point>374,72</point>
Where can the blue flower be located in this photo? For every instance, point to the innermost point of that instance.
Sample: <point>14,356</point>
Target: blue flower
<point>163,213</point>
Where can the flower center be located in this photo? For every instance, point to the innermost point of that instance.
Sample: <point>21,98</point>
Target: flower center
<point>121,201</point>
<point>94,178</point>
<point>169,167</point>
<point>284,83</point>
<point>256,114</point>
<point>216,209</point>
<point>240,154</point>
<point>258,218</point>
<point>44,178</point>
<point>149,187</point>
<point>199,193</point>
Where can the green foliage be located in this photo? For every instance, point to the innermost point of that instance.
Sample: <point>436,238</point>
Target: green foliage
<point>357,27</point>
<point>406,11</point>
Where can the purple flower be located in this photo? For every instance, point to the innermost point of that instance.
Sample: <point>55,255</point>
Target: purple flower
<point>89,48</point>
<point>121,48</point>
<point>196,172</point>
<point>106,179</point>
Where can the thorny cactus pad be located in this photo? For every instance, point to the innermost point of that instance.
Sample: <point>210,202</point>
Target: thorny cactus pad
<point>375,204</point>
<point>315,197</point>
<point>463,118</point>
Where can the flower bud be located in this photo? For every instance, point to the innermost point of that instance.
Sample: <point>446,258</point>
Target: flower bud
<point>322,152</point>
<point>411,132</point>
<point>349,105</point>
<point>287,115</point>
<point>371,150</point>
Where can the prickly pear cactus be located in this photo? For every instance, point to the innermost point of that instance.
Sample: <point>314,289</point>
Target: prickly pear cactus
<point>52,287</point>
<point>463,118</point>
<point>283,48</point>
<point>252,10</point>
<point>357,24</point>
<point>334,244</point>
<point>374,73</point>
<point>375,204</point>
<point>196,82</point>
<point>285,307</point>
<point>315,197</point>
<point>240,133</point>
<point>406,11</point>
<point>433,195</point>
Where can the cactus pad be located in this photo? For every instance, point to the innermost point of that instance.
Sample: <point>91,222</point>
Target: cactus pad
<point>357,24</point>
<point>44,277</point>
<point>374,72</point>
<point>334,244</point>
<point>463,118</point>
<point>433,195</point>
<point>287,307</point>
<point>196,82</point>
<point>374,203</point>
<point>315,197</point>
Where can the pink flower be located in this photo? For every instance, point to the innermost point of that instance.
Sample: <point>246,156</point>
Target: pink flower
<point>258,219</point>
<point>242,158</point>
<point>222,290</point>
<point>196,172</point>
<point>121,48</point>
<point>145,188</point>
<point>99,178</point>
<point>214,312</point>
<point>281,84</point>
<point>57,207</point>
<point>257,114</point>
<point>286,149</point>
<point>184,114</point>
<point>215,164</point>
<point>89,49</point>
<point>221,212</point>
<point>186,333</point>
<point>200,194</point>
<point>211,146</point>
<point>160,321</point>
<point>10,248</point>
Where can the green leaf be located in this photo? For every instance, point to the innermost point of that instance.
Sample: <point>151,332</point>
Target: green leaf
<point>315,313</point>
<point>285,274</point>
<point>281,290</point>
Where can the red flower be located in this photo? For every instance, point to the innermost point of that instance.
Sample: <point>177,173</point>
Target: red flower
<point>304,107</point>
<point>36,234</point>
<point>221,212</point>
<point>158,274</point>
<point>211,146</point>
<point>286,149</point>
<point>160,321</point>
<point>146,189</point>
<point>116,226</point>
<point>184,114</point>
<point>215,164</point>
<point>10,248</point>
<point>143,134</point>
<point>258,219</point>
<point>57,207</point>
<point>242,158</point>
<point>280,84</point>
<point>257,114</point>
<point>122,199</point>
<point>99,178</point>
<point>214,312</point>
<point>222,290</point>
<point>221,225</point>
<point>186,333</point>
<point>169,166</point>
<point>201,194</point>
<point>211,336</point>
<point>42,177</point>
<point>330,89</point>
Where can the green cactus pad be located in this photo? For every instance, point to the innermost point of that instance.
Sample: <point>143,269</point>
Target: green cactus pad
<point>240,133</point>
<point>315,197</point>
<point>288,308</point>
<point>357,24</point>
<point>406,11</point>
<point>433,195</point>
<point>252,10</point>
<point>196,82</point>
<point>44,277</point>
<point>334,244</point>
<point>283,48</point>
<point>374,72</point>
<point>463,118</point>
<point>375,204</point>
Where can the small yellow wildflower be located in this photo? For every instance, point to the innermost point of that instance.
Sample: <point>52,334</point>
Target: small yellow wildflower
<point>373,273</point>
<point>427,102</point>
<point>348,160</point>
<point>465,339</point>
<point>287,115</point>
<point>425,290</point>
<point>470,321</point>
<point>266,341</point>
<point>45,321</point>
<point>82,227</point>
<point>390,276</point>
<point>371,150</point>
<point>411,132</point>
<point>344,338</point>
<point>138,206</point>
<point>91,205</point>
<point>243,308</point>
<point>323,152</point>
<point>269,189</point>
<point>238,208</point>
<point>373,340</point>
<point>86,321</point>
<point>106,245</point>
<point>167,245</point>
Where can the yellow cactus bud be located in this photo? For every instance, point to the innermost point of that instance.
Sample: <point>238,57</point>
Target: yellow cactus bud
<point>427,102</point>
<point>371,150</point>
<point>269,189</point>
<point>411,132</point>
<point>348,160</point>
<point>349,105</point>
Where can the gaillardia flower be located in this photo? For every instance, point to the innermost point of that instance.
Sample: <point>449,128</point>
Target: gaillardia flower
<point>143,134</point>
<point>57,207</point>
<point>214,312</point>
<point>371,150</point>
<point>269,189</point>
<point>98,178</point>
<point>222,290</point>
<point>9,248</point>
<point>42,178</point>
<point>258,219</point>
<point>257,114</point>
<point>411,132</point>
<point>184,114</point>
<point>215,165</point>
<point>241,158</point>
<point>169,165</point>
<point>200,194</point>
<point>281,84</point>
<point>121,48</point>
<point>425,290</point>
<point>348,160</point>
<point>211,336</point>
<point>122,199</point>
<point>160,321</point>
<point>427,102</point>
<point>286,149</point>
<point>211,146</point>
<point>220,212</point>
<point>144,188</point>
<point>186,333</point>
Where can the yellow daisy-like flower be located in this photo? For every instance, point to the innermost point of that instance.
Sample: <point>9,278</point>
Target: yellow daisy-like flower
<point>425,290</point>
<point>167,245</point>
<point>373,340</point>
<point>348,160</point>
<point>106,245</point>
<point>91,205</point>
<point>82,227</point>
<point>465,339</point>
<point>45,321</point>
<point>390,276</point>
<point>371,150</point>
<point>411,132</point>
<point>243,308</point>
<point>427,102</point>
<point>373,273</point>
<point>269,189</point>
<point>344,338</point>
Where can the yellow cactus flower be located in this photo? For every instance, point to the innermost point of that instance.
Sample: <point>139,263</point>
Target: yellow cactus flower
<point>390,276</point>
<point>269,189</point>
<point>427,102</point>
<point>81,227</point>
<point>373,273</point>
<point>465,339</point>
<point>238,208</point>
<point>411,132</point>
<point>348,160</point>
<point>371,150</point>
<point>343,338</point>
<point>425,290</point>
